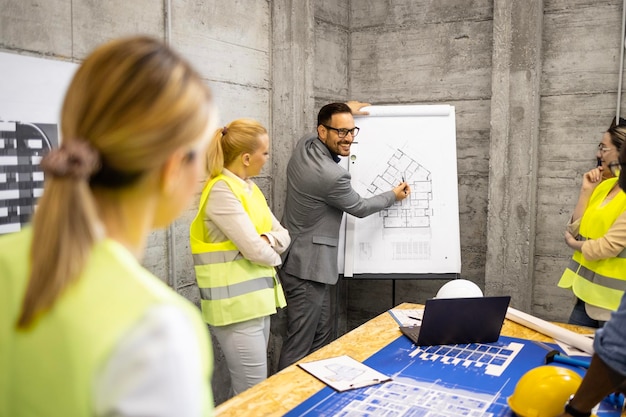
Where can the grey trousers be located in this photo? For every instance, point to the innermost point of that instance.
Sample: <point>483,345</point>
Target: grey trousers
<point>309,324</point>
<point>245,348</point>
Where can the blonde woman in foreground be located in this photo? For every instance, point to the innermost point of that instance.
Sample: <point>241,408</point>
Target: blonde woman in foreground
<point>85,330</point>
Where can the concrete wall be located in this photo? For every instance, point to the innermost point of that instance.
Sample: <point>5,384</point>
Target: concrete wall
<point>534,86</point>
<point>409,51</point>
<point>550,68</point>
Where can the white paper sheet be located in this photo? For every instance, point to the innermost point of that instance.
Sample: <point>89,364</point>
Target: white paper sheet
<point>411,317</point>
<point>344,373</point>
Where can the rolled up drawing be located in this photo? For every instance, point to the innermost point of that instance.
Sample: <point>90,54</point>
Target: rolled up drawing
<point>556,332</point>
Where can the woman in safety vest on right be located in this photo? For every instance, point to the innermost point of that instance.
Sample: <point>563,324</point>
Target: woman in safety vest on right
<point>236,242</point>
<point>597,233</point>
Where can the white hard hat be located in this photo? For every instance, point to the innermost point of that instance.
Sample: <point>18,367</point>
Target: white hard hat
<point>459,288</point>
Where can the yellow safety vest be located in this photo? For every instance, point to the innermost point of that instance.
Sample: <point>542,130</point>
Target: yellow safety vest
<point>602,282</point>
<point>50,369</point>
<point>232,288</point>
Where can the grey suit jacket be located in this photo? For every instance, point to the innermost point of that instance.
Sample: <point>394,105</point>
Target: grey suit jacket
<point>318,193</point>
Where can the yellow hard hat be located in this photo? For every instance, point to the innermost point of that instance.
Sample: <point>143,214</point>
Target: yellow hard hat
<point>543,391</point>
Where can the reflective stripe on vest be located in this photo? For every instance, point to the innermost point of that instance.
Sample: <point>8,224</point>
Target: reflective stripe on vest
<point>589,275</point>
<point>206,258</point>
<point>234,290</point>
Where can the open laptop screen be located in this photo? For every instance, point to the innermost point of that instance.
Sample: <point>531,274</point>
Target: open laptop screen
<point>460,320</point>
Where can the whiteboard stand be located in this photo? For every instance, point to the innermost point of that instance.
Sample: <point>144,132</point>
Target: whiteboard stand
<point>394,277</point>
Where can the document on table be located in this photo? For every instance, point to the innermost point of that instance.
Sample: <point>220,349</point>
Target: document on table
<point>344,373</point>
<point>407,318</point>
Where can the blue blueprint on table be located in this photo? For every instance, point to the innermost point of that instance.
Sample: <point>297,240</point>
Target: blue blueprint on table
<point>470,380</point>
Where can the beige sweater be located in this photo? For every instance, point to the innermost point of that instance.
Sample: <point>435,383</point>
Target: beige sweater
<point>608,246</point>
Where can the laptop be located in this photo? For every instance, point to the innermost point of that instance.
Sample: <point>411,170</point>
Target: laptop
<point>450,321</point>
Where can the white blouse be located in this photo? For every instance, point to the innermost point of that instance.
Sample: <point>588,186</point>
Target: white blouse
<point>154,371</point>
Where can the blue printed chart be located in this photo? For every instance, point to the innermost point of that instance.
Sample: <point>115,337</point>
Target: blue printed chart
<point>470,380</point>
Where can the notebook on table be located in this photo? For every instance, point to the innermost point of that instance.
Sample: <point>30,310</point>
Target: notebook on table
<point>449,321</point>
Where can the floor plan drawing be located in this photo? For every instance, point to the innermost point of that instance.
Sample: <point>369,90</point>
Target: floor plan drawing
<point>338,372</point>
<point>344,373</point>
<point>412,397</point>
<point>414,211</point>
<point>473,380</point>
<point>418,234</point>
<point>487,358</point>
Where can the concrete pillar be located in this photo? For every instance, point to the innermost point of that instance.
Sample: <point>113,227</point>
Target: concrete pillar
<point>292,110</point>
<point>511,221</point>
<point>292,67</point>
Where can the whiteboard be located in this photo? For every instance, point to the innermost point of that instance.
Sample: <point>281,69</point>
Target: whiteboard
<point>419,235</point>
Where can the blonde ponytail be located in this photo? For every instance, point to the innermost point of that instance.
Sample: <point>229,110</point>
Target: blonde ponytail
<point>215,153</point>
<point>65,226</point>
<point>238,137</point>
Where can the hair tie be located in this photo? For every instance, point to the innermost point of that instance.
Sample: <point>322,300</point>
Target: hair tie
<point>73,159</point>
<point>224,131</point>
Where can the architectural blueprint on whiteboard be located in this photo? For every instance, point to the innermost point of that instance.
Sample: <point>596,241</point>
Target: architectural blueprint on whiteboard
<point>420,234</point>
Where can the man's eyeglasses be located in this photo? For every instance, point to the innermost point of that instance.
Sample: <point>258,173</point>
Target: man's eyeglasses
<point>616,167</point>
<point>603,148</point>
<point>342,133</point>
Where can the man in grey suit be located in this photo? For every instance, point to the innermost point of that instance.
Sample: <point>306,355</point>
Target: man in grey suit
<point>318,193</point>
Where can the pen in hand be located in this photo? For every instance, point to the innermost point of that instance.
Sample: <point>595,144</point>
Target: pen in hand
<point>405,191</point>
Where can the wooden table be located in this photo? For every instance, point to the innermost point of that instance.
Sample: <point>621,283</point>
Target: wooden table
<point>291,386</point>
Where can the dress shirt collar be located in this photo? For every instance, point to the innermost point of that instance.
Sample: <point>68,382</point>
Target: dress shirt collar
<point>230,174</point>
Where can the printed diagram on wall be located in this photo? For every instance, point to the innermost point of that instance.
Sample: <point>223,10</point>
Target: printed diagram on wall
<point>420,234</point>
<point>22,146</point>
<point>32,91</point>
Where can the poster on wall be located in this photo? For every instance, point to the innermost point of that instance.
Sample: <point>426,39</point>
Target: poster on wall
<point>31,95</point>
<point>420,234</point>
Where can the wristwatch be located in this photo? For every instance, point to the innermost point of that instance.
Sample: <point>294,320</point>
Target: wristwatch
<point>569,409</point>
